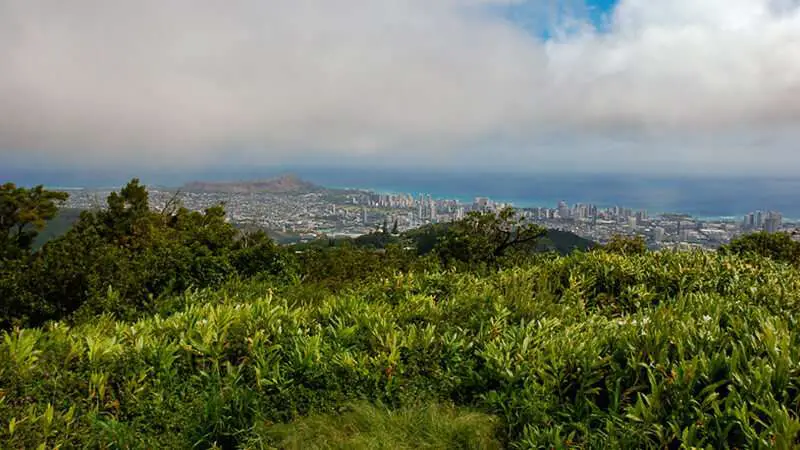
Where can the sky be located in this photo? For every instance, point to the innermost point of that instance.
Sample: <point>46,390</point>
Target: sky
<point>644,86</point>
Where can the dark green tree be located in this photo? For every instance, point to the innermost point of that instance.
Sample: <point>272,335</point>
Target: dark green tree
<point>488,237</point>
<point>23,213</point>
<point>625,245</point>
<point>777,246</point>
<point>122,258</point>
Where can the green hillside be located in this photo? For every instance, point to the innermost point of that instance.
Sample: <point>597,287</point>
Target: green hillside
<point>142,329</point>
<point>594,350</point>
<point>425,238</point>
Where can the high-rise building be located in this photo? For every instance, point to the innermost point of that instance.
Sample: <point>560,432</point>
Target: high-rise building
<point>658,234</point>
<point>749,221</point>
<point>563,210</point>
<point>772,222</point>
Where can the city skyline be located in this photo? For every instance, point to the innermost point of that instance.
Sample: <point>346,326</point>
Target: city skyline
<point>534,190</point>
<point>323,212</point>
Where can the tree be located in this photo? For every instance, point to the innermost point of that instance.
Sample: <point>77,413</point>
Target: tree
<point>23,213</point>
<point>487,237</point>
<point>395,229</point>
<point>625,245</point>
<point>135,253</point>
<point>777,246</point>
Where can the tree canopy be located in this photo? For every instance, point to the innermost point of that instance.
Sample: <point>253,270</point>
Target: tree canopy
<point>118,259</point>
<point>23,213</point>
<point>777,246</point>
<point>487,237</point>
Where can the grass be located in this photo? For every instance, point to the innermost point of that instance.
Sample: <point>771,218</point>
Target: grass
<point>590,351</point>
<point>365,426</point>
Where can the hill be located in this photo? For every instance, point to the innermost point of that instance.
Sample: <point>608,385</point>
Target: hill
<point>424,239</point>
<point>562,242</point>
<point>286,184</point>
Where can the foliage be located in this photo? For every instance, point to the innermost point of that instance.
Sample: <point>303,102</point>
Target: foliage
<point>184,332</point>
<point>119,259</point>
<point>59,225</point>
<point>592,350</point>
<point>563,242</point>
<point>626,245</point>
<point>343,265</point>
<point>23,213</point>
<point>427,237</point>
<point>366,426</point>
<point>488,237</point>
<point>778,246</point>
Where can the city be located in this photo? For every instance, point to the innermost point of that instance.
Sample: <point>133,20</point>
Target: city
<point>314,213</point>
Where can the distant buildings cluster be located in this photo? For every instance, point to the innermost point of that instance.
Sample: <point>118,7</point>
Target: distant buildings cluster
<point>357,212</point>
<point>582,211</point>
<point>769,221</point>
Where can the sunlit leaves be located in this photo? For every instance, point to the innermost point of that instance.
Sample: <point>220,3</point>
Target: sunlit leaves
<point>595,350</point>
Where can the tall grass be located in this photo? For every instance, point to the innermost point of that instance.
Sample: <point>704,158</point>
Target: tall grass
<point>364,426</point>
<point>591,350</point>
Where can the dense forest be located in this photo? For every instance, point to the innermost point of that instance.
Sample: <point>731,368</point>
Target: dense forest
<point>136,328</point>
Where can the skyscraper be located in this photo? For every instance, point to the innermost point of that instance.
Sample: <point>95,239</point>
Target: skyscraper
<point>772,223</point>
<point>563,210</point>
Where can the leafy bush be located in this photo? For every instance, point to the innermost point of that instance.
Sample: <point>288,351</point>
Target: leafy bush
<point>625,245</point>
<point>778,246</point>
<point>594,350</point>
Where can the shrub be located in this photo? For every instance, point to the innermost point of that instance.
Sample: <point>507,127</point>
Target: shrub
<point>594,350</point>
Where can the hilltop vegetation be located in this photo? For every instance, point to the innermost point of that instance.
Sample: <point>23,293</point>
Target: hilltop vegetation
<point>426,238</point>
<point>596,350</point>
<point>58,226</point>
<point>346,347</point>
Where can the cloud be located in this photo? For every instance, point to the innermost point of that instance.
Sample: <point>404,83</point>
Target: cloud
<point>198,81</point>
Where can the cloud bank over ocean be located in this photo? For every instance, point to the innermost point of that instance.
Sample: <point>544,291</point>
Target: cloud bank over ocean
<point>658,85</point>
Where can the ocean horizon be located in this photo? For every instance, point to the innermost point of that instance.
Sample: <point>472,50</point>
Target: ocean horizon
<point>711,197</point>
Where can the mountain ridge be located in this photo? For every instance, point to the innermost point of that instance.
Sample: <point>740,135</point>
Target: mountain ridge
<point>284,184</point>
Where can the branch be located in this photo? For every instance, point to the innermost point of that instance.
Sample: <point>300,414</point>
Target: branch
<point>171,203</point>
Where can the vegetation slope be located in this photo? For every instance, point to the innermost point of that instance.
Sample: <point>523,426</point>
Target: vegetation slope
<point>613,348</point>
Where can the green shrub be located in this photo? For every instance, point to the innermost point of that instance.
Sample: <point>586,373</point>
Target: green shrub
<point>594,350</point>
<point>777,246</point>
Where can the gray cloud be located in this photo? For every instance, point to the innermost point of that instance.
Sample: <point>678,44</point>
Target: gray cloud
<point>672,83</point>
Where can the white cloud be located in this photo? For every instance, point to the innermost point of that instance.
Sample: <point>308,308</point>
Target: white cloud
<point>168,81</point>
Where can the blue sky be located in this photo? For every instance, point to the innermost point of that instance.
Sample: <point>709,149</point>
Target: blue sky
<point>543,19</point>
